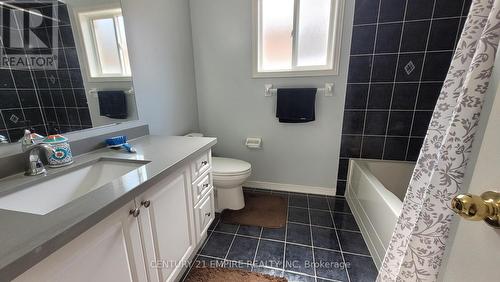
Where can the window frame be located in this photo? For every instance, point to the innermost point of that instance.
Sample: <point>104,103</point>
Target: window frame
<point>85,29</point>
<point>334,44</point>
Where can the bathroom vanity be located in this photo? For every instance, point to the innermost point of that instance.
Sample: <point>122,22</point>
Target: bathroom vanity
<point>111,216</point>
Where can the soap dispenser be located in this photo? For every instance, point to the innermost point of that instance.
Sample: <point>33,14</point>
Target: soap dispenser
<point>61,156</point>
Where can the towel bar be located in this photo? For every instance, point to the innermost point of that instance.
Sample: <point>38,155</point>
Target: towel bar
<point>270,91</point>
<point>93,91</point>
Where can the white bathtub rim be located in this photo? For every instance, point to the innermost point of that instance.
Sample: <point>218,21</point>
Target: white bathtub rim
<point>395,204</point>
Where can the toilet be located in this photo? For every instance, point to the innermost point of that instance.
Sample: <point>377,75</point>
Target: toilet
<point>228,177</point>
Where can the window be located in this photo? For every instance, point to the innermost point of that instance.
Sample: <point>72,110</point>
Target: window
<point>103,34</point>
<point>296,37</point>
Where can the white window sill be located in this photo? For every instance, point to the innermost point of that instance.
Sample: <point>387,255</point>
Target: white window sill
<point>110,78</point>
<point>295,73</point>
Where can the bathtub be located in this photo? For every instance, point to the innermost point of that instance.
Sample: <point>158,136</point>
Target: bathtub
<point>375,192</point>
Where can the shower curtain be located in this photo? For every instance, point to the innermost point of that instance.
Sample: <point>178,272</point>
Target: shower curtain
<point>419,239</point>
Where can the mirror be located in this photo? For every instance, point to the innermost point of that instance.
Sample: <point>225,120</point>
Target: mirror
<point>64,67</point>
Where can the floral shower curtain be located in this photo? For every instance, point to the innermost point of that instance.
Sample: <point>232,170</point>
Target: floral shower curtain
<point>419,239</point>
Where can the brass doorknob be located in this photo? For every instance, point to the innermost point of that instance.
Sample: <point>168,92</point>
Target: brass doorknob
<point>485,207</point>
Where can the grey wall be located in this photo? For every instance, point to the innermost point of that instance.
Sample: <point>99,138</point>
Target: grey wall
<point>161,53</point>
<point>232,105</point>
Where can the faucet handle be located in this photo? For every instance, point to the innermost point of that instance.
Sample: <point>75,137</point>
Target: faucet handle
<point>34,165</point>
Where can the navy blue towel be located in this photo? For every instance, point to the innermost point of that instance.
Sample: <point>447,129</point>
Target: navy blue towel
<point>113,104</point>
<point>296,105</point>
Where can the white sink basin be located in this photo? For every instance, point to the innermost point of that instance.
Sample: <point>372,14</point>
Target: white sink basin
<point>46,196</point>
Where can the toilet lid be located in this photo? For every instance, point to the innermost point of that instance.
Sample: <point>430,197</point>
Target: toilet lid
<point>228,166</point>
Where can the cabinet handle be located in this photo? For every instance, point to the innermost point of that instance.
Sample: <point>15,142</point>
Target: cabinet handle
<point>206,185</point>
<point>135,212</point>
<point>146,203</point>
<point>208,214</point>
<point>204,163</point>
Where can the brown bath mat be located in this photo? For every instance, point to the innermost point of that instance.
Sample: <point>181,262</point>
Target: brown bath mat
<point>208,274</point>
<point>260,210</point>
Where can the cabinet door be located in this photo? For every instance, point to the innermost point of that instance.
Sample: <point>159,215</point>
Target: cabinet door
<point>168,226</point>
<point>109,251</point>
<point>204,214</point>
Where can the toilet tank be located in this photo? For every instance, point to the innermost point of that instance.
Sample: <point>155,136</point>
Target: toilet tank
<point>194,134</point>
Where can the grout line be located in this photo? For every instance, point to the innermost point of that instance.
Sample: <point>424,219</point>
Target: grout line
<point>340,247</point>
<point>312,240</point>
<point>257,248</point>
<point>460,27</point>
<point>394,84</point>
<point>295,244</point>
<point>420,79</point>
<point>70,79</point>
<point>326,227</point>
<point>410,21</point>
<point>389,82</point>
<point>286,235</point>
<point>399,53</point>
<point>231,245</point>
<point>370,80</point>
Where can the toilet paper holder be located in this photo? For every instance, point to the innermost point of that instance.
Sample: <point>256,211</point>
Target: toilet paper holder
<point>253,143</point>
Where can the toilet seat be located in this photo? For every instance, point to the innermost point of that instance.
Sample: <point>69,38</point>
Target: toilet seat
<point>229,167</point>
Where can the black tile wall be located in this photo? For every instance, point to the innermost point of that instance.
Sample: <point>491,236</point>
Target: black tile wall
<point>46,101</point>
<point>400,54</point>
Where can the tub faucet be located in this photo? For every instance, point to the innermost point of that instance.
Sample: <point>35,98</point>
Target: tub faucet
<point>34,165</point>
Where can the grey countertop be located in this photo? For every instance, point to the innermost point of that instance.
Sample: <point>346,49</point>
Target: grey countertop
<point>26,239</point>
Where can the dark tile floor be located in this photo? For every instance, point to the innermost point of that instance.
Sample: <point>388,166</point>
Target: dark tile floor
<point>321,242</point>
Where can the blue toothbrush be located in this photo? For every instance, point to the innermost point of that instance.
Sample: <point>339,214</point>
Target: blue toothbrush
<point>120,142</point>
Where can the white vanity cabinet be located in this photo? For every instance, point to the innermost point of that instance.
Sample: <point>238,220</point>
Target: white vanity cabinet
<point>203,193</point>
<point>109,251</point>
<point>150,239</point>
<point>167,225</point>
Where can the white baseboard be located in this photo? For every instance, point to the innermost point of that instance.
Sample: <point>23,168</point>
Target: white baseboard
<point>290,188</point>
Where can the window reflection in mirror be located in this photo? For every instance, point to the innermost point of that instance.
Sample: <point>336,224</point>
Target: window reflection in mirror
<point>64,67</point>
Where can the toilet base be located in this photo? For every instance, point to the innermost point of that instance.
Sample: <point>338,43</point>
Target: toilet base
<point>230,198</point>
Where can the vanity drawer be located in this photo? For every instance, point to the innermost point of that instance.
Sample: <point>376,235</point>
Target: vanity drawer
<point>202,186</point>
<point>205,214</point>
<point>200,165</point>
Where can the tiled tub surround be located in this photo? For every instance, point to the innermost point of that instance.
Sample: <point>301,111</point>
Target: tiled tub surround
<point>320,231</point>
<point>47,100</point>
<point>400,54</point>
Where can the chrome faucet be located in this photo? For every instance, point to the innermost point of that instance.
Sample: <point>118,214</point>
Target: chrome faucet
<point>34,165</point>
